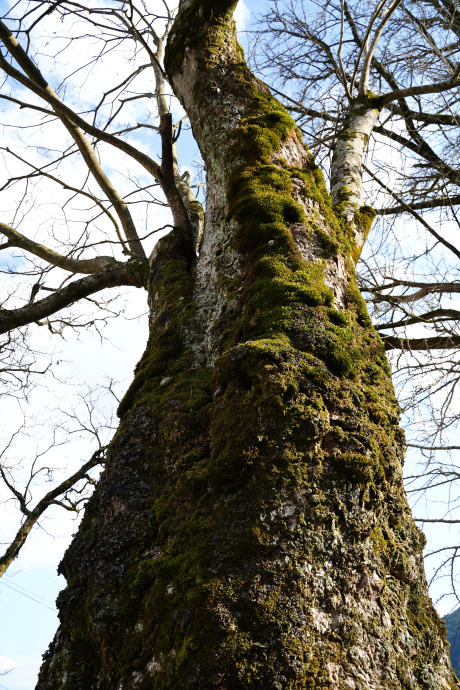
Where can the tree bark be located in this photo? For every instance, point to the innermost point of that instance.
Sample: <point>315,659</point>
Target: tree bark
<point>346,171</point>
<point>251,528</point>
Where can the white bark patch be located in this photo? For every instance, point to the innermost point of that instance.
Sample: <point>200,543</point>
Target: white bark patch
<point>293,152</point>
<point>334,673</point>
<point>309,247</point>
<point>136,679</point>
<point>346,172</point>
<point>320,620</point>
<point>336,278</point>
<point>217,263</point>
<point>154,666</point>
<point>335,274</point>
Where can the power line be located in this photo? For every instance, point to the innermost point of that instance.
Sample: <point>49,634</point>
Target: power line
<point>45,577</point>
<point>28,596</point>
<point>39,596</point>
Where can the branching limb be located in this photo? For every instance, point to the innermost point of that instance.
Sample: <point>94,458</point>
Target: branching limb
<point>435,343</point>
<point>36,83</point>
<point>413,213</point>
<point>425,290</point>
<point>130,273</point>
<point>194,210</point>
<point>65,185</point>
<point>167,170</point>
<point>420,147</point>
<point>448,522</point>
<point>32,516</point>
<point>172,194</point>
<point>94,265</point>
<point>421,205</point>
<point>429,118</point>
<point>434,316</point>
<point>23,104</point>
<point>364,80</point>
<point>343,75</point>
<point>421,90</point>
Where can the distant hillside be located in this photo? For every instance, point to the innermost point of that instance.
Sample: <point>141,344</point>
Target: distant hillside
<point>452,622</point>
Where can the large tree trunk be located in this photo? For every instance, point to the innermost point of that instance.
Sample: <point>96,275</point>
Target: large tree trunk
<point>251,528</point>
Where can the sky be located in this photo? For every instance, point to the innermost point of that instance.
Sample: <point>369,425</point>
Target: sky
<point>29,590</point>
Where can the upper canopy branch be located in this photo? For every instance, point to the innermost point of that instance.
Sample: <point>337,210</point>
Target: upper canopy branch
<point>421,90</point>
<point>436,316</point>
<point>35,82</point>
<point>430,118</point>
<point>35,78</point>
<point>65,185</point>
<point>369,52</point>
<point>420,205</point>
<point>414,213</point>
<point>61,109</point>
<point>425,290</point>
<point>425,344</point>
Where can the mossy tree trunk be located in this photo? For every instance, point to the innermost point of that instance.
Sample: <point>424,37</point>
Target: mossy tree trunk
<point>251,528</point>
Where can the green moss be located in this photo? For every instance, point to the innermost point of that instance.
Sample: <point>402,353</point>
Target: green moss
<point>264,132</point>
<point>194,16</point>
<point>378,540</point>
<point>140,270</point>
<point>171,274</point>
<point>359,468</point>
<point>343,196</point>
<point>260,199</point>
<point>364,218</point>
<point>358,304</point>
<point>331,245</point>
<point>339,318</point>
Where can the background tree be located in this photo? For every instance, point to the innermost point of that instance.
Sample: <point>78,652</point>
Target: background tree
<point>254,486</point>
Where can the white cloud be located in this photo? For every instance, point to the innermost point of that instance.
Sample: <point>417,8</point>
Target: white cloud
<point>242,16</point>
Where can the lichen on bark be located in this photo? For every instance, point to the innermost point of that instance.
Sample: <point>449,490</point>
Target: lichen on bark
<point>251,528</point>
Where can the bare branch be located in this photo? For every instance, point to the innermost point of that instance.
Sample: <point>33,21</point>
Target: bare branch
<point>32,516</point>
<point>130,273</point>
<point>98,263</point>
<point>424,89</point>
<point>369,54</point>
<point>451,342</point>
<point>38,84</point>
<point>413,213</point>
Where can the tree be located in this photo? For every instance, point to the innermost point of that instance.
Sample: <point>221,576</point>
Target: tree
<point>251,527</point>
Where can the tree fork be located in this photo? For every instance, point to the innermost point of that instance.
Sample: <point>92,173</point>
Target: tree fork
<point>251,528</point>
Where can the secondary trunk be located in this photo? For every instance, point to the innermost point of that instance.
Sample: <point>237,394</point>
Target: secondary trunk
<point>346,171</point>
<point>251,528</point>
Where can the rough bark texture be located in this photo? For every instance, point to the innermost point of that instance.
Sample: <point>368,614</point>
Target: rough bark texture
<point>251,528</point>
